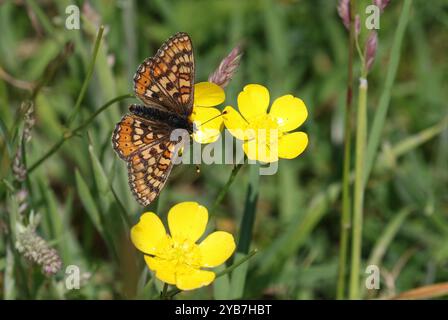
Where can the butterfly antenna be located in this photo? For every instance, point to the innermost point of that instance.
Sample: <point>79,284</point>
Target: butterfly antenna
<point>223,113</point>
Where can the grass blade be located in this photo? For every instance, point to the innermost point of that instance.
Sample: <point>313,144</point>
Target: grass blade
<point>88,202</point>
<point>381,112</point>
<point>238,277</point>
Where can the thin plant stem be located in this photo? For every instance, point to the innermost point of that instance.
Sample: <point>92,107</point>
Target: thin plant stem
<point>383,105</point>
<point>49,153</point>
<point>346,199</point>
<point>222,193</point>
<point>164,294</point>
<point>237,264</point>
<point>71,133</point>
<point>89,74</point>
<point>365,153</point>
<point>359,50</point>
<point>361,138</point>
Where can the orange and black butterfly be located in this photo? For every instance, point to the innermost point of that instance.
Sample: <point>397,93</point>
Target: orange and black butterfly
<point>165,84</point>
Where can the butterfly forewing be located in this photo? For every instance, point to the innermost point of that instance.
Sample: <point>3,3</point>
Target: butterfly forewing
<point>167,80</point>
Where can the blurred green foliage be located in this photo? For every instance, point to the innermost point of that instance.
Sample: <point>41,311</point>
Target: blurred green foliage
<point>297,47</point>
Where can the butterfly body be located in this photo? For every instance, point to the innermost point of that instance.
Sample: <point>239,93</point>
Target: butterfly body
<point>154,114</point>
<point>143,138</point>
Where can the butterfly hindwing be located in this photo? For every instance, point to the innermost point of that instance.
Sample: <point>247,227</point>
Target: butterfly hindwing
<point>149,168</point>
<point>133,133</point>
<point>167,80</point>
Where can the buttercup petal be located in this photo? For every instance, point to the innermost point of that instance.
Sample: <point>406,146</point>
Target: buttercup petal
<point>208,94</point>
<point>235,123</point>
<point>191,278</point>
<point>164,270</point>
<point>216,248</point>
<point>149,234</point>
<point>187,221</point>
<point>261,151</point>
<point>292,144</point>
<point>207,130</point>
<point>253,101</point>
<point>289,112</point>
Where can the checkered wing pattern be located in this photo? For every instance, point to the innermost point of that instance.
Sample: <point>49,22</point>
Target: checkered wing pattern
<point>166,81</point>
<point>149,152</point>
<point>149,169</point>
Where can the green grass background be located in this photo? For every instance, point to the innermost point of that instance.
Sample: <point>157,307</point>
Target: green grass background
<point>297,47</point>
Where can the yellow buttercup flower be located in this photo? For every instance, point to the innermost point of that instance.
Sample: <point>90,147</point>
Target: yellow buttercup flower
<point>206,96</point>
<point>176,258</point>
<point>267,136</point>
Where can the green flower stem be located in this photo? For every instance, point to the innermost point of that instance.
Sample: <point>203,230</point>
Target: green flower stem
<point>164,294</point>
<point>226,187</point>
<point>88,77</point>
<point>71,133</point>
<point>381,112</point>
<point>346,199</point>
<point>237,264</point>
<point>49,153</point>
<point>361,138</point>
<point>173,292</point>
<point>238,277</point>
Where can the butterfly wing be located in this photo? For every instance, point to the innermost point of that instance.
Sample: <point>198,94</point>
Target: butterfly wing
<point>150,153</point>
<point>133,133</point>
<point>166,81</point>
<point>149,167</point>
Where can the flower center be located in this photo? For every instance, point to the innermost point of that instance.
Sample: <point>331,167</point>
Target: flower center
<point>183,252</point>
<point>266,129</point>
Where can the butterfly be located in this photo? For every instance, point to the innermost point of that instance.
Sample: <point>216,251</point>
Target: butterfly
<point>165,85</point>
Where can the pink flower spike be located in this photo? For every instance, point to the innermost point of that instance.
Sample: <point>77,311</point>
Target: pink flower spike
<point>344,12</point>
<point>227,68</point>
<point>382,4</point>
<point>370,50</point>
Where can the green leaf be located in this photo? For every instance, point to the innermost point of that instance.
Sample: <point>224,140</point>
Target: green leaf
<point>238,278</point>
<point>99,175</point>
<point>221,286</point>
<point>381,112</point>
<point>88,202</point>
